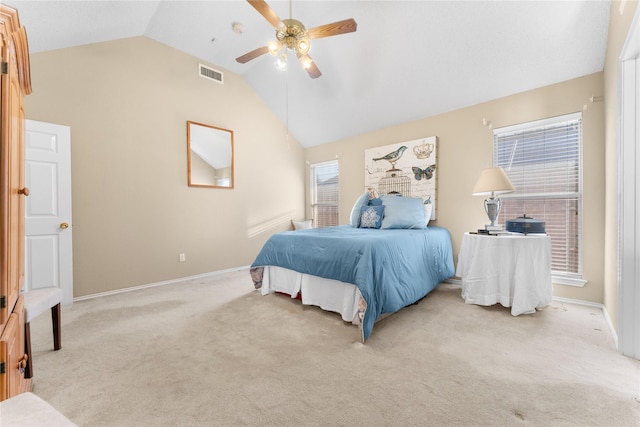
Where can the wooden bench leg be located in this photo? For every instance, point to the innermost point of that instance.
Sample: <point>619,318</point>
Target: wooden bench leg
<point>55,320</point>
<point>28,371</point>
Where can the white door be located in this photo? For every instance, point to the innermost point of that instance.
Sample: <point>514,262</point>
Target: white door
<point>48,246</point>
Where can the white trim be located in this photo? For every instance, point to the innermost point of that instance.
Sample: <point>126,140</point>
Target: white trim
<point>538,123</point>
<point>628,204</point>
<point>568,281</point>
<point>325,163</point>
<point>578,302</point>
<point>152,285</point>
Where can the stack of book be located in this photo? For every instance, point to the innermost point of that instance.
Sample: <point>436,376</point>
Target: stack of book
<point>493,230</point>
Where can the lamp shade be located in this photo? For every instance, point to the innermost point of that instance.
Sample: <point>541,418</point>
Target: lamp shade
<point>493,181</point>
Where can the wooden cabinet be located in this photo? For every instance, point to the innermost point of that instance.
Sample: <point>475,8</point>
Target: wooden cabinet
<point>12,352</point>
<point>15,83</point>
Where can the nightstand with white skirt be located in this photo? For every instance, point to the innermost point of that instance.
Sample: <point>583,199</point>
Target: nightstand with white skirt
<point>513,270</point>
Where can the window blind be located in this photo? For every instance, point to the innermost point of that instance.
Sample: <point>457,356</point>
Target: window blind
<point>324,193</point>
<point>543,160</point>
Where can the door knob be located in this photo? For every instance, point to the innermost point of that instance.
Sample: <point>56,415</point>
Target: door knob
<point>64,225</point>
<point>24,190</point>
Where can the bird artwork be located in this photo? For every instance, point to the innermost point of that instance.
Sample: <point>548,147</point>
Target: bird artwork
<point>392,157</point>
<point>426,172</point>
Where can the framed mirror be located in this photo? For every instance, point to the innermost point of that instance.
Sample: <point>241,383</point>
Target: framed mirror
<point>210,156</point>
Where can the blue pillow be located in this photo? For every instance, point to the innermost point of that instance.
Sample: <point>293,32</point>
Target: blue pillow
<point>375,202</point>
<point>403,212</point>
<point>371,216</point>
<point>354,219</point>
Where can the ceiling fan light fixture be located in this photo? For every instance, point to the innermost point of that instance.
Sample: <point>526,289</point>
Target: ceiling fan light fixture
<point>274,48</point>
<point>292,35</point>
<point>306,62</point>
<point>281,62</point>
<point>304,45</point>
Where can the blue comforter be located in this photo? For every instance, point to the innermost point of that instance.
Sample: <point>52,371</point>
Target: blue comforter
<point>392,268</point>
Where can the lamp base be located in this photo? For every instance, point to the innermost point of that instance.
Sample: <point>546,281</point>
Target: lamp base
<point>492,208</point>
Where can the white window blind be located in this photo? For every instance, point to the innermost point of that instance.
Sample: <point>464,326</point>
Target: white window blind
<point>543,160</point>
<point>324,193</point>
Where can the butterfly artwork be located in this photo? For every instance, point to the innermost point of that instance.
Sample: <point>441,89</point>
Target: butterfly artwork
<point>427,172</point>
<point>405,168</point>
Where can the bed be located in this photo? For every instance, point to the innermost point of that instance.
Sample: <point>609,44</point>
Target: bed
<point>361,272</point>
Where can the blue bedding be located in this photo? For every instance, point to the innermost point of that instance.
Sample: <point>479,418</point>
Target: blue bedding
<point>392,268</point>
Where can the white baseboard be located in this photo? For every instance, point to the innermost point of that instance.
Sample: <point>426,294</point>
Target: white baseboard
<point>152,285</point>
<point>578,301</point>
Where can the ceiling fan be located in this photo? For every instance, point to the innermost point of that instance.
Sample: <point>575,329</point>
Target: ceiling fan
<point>292,35</point>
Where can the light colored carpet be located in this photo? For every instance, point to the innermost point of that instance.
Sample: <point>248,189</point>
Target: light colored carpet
<point>215,353</point>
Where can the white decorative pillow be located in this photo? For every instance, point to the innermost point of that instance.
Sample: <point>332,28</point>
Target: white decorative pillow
<point>301,225</point>
<point>354,218</point>
<point>428,209</point>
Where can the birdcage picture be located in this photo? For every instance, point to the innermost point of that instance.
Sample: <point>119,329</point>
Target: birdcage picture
<point>394,182</point>
<point>407,168</point>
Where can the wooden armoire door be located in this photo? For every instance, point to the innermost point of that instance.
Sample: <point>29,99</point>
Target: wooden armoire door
<point>15,83</point>
<point>11,180</point>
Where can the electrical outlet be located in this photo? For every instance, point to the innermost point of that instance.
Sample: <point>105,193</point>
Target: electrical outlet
<point>182,258</point>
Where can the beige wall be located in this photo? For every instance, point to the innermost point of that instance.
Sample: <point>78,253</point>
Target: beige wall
<point>620,19</point>
<point>465,148</point>
<point>127,103</point>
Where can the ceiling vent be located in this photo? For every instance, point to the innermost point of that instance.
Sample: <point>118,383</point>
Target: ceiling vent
<point>211,74</point>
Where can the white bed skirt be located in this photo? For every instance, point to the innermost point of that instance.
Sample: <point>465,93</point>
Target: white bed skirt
<point>328,294</point>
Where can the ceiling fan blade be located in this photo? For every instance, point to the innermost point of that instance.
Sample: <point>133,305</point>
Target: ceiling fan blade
<point>252,55</point>
<point>333,29</point>
<point>309,65</point>
<point>265,10</point>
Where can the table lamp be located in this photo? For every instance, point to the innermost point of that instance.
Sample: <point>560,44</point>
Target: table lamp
<point>492,181</point>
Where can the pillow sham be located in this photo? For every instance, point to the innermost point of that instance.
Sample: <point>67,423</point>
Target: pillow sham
<point>428,209</point>
<point>356,211</point>
<point>375,202</point>
<point>403,212</point>
<point>301,225</point>
<point>371,216</point>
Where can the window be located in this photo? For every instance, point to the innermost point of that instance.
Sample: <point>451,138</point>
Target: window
<point>324,193</point>
<point>543,160</point>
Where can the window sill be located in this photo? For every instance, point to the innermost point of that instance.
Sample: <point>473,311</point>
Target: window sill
<point>568,281</point>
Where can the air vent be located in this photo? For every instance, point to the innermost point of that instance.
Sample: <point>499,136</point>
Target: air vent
<point>211,74</point>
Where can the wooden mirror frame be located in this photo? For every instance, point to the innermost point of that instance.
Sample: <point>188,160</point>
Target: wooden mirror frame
<point>207,147</point>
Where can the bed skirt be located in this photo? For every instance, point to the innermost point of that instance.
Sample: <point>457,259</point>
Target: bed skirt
<point>330,295</point>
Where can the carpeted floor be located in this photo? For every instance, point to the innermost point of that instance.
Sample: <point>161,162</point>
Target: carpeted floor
<point>213,352</point>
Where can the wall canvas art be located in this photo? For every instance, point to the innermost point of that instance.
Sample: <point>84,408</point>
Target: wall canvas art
<point>406,168</point>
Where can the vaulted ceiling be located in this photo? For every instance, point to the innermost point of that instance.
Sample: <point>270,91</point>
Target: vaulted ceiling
<point>407,60</point>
